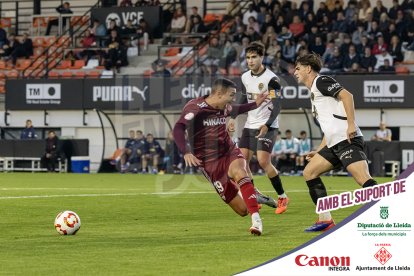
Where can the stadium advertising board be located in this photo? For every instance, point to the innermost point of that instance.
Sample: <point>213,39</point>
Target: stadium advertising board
<point>151,94</point>
<point>121,15</point>
<point>44,94</point>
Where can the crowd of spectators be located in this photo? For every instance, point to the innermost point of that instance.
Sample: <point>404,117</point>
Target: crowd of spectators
<point>351,38</point>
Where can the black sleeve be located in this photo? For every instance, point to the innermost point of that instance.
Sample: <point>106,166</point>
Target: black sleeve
<point>328,86</point>
<point>274,84</point>
<point>241,98</point>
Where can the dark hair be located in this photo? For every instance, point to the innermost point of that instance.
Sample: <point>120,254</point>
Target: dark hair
<point>288,131</point>
<point>302,132</point>
<point>313,60</point>
<point>222,83</point>
<point>256,47</point>
<point>139,131</point>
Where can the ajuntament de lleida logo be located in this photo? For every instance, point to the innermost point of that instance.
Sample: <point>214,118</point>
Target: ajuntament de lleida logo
<point>384,212</point>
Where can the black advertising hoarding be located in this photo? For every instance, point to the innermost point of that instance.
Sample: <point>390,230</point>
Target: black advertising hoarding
<point>122,14</point>
<point>44,94</point>
<point>129,93</point>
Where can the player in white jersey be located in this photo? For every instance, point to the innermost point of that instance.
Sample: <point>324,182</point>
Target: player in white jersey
<point>342,144</point>
<point>262,124</point>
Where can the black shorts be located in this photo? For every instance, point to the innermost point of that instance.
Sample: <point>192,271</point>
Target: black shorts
<point>345,153</point>
<point>249,141</point>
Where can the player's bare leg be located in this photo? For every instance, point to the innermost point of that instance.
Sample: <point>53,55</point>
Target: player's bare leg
<point>238,205</point>
<point>264,158</point>
<point>124,157</point>
<point>316,167</point>
<point>360,173</point>
<point>237,171</point>
<point>261,198</point>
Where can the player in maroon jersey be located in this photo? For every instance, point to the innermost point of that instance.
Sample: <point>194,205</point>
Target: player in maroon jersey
<point>210,147</point>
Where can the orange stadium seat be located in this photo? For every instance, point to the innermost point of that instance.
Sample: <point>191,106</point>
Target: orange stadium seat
<point>12,74</point>
<point>38,41</point>
<point>39,22</point>
<point>53,75</point>
<point>49,41</point>
<point>79,64</point>
<point>2,75</point>
<point>79,74</point>
<point>6,22</point>
<point>402,69</point>
<point>23,64</point>
<point>38,51</point>
<point>148,73</point>
<point>2,89</point>
<point>64,64</point>
<point>4,65</point>
<point>67,74</point>
<point>93,74</point>
<point>172,52</point>
<point>209,18</point>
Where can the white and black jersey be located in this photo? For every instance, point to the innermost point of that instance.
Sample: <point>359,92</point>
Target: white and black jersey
<point>255,85</point>
<point>329,110</point>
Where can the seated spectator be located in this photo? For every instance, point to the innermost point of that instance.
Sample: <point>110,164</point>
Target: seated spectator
<point>386,68</point>
<point>351,58</point>
<point>395,49</point>
<point>368,61</point>
<point>284,35</point>
<point>51,154</point>
<point>252,23</point>
<point>249,13</point>
<point>380,46</point>
<point>268,22</point>
<point>9,47</point>
<point>178,22</point>
<point>383,23</point>
<point>329,51</point>
<point>252,34</point>
<point>358,34</point>
<point>214,53</point>
<point>87,41</point>
<point>160,70</point>
<point>62,9</point>
<point>127,151</point>
<point>190,21</point>
<point>364,43</point>
<point>318,47</point>
<point>335,64</point>
<point>23,48</point>
<point>289,51</point>
<point>99,31</point>
<point>344,48</point>
<point>304,149</point>
<point>229,55</point>
<point>364,11</point>
<point>296,27</point>
<point>381,59</point>
<point>128,30</point>
<point>383,133</point>
<point>153,152</point>
<point>239,34</point>
<point>197,25</point>
<point>261,15</point>
<point>172,158</point>
<point>339,26</point>
<point>271,52</point>
<point>28,132</point>
<point>117,53</point>
<point>143,31</point>
<point>113,27</point>
<point>378,10</point>
<point>393,11</point>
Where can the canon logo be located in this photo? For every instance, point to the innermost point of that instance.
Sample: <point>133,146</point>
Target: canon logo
<point>304,260</point>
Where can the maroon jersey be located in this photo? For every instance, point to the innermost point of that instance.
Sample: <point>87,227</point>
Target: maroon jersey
<point>206,128</point>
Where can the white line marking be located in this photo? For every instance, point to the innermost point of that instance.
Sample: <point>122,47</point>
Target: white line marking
<point>131,194</point>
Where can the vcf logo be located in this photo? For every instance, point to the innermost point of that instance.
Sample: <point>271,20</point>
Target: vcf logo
<point>384,212</point>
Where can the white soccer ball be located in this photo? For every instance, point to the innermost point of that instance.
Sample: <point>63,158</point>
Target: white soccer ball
<point>67,223</point>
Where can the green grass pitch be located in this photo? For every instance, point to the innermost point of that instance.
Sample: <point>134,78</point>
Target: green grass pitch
<point>144,225</point>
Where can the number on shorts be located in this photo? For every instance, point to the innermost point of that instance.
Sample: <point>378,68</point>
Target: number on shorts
<point>219,187</point>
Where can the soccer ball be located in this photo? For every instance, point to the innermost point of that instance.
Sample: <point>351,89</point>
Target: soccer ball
<point>67,223</point>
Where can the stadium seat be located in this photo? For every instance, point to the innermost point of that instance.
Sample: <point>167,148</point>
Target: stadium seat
<point>38,41</point>
<point>64,41</point>
<point>12,74</point>
<point>93,74</point>
<point>49,41</point>
<point>209,18</point>
<point>80,74</point>
<point>64,64</point>
<point>6,22</point>
<point>53,75</point>
<point>23,64</point>
<point>148,73</point>
<point>172,52</point>
<point>38,51</point>
<point>2,75</point>
<point>79,64</point>
<point>67,74</point>
<point>2,89</point>
<point>4,65</point>
<point>400,69</point>
<point>172,63</point>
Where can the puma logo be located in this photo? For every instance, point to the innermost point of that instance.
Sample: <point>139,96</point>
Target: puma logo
<point>140,92</point>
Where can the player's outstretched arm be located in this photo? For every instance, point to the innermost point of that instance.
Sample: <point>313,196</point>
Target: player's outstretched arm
<point>243,108</point>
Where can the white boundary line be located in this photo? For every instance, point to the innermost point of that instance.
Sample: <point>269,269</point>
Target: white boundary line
<point>121,194</point>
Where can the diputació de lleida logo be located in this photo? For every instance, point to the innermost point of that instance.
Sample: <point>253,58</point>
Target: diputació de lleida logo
<point>384,212</point>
